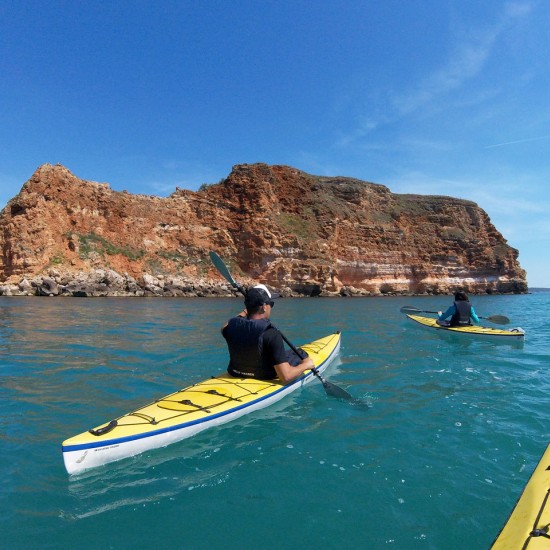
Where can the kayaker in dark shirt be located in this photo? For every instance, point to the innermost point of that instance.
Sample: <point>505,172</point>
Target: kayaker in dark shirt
<point>256,347</point>
<point>461,312</point>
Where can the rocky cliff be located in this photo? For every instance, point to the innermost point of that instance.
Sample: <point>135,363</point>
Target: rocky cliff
<point>299,233</point>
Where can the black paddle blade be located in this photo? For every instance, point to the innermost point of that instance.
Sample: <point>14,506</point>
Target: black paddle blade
<point>331,389</point>
<point>222,268</point>
<point>413,310</point>
<point>336,391</point>
<point>498,319</point>
<point>410,309</point>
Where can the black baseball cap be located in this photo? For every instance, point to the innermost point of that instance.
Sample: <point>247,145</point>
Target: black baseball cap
<point>258,296</point>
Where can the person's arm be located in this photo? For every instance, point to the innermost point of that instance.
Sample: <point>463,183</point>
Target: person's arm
<point>448,313</point>
<point>473,315</point>
<point>287,373</point>
<point>274,346</point>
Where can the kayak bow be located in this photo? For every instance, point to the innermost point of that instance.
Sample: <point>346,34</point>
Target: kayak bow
<point>527,526</point>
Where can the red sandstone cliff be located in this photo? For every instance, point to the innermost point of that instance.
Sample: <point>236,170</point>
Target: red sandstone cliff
<point>275,224</point>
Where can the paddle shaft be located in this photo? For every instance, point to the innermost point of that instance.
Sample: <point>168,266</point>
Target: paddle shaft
<point>437,312</point>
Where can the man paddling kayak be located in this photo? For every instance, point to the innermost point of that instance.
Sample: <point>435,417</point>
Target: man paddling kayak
<point>461,312</point>
<point>256,347</point>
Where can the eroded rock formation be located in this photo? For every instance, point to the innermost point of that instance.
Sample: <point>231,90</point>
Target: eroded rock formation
<point>299,233</point>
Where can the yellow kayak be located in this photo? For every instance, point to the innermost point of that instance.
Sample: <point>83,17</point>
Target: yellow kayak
<point>472,330</point>
<point>184,413</point>
<point>527,527</point>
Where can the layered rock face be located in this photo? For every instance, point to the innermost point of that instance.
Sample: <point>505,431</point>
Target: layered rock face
<point>298,233</point>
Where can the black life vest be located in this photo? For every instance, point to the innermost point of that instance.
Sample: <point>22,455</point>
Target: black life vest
<point>461,317</point>
<point>245,343</point>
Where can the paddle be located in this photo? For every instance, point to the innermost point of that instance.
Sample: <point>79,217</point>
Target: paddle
<point>331,389</point>
<point>497,319</point>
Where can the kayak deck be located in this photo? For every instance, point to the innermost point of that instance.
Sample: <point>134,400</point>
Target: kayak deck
<point>476,330</point>
<point>527,526</point>
<point>186,412</point>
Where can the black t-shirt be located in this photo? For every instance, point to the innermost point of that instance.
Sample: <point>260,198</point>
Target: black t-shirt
<point>274,348</point>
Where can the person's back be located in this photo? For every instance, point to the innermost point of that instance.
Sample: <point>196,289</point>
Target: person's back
<point>463,309</point>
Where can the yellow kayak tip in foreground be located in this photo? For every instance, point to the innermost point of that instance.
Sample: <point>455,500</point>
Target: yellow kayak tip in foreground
<point>528,526</point>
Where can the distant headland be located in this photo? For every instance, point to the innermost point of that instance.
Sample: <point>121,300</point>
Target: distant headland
<point>301,234</point>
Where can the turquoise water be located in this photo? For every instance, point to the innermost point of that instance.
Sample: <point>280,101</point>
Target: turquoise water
<point>454,429</point>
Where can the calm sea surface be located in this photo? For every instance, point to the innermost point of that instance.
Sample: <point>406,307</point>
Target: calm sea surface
<point>454,430</point>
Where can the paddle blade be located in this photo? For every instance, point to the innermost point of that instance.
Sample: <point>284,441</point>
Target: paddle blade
<point>413,310</point>
<point>498,319</point>
<point>331,389</point>
<point>410,309</point>
<point>222,268</point>
<point>336,391</point>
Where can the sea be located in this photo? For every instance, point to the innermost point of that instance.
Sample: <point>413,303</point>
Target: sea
<point>432,453</point>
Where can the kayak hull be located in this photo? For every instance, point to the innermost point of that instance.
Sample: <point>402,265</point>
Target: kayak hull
<point>527,526</point>
<point>184,413</point>
<point>513,334</point>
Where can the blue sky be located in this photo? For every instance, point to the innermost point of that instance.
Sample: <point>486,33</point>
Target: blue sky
<point>444,97</point>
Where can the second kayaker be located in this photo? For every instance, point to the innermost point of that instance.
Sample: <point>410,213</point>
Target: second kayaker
<point>461,312</point>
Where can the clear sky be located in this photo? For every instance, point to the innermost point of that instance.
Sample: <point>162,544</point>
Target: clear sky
<point>444,97</point>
